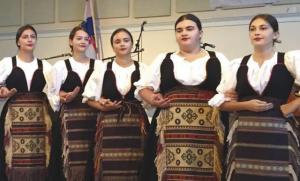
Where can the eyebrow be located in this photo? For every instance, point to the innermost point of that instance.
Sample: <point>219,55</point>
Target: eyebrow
<point>260,25</point>
<point>185,27</point>
<point>78,36</point>
<point>190,27</point>
<point>31,35</point>
<point>122,39</point>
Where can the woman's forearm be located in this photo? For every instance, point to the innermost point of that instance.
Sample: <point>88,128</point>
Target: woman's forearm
<point>94,104</point>
<point>146,94</point>
<point>234,106</point>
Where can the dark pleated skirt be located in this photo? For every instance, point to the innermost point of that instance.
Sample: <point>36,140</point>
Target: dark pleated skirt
<point>78,126</point>
<point>120,141</point>
<point>263,146</point>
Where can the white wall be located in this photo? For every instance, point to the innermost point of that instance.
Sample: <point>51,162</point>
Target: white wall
<point>226,28</point>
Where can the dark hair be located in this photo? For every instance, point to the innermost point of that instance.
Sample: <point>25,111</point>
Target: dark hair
<point>73,32</point>
<point>117,31</point>
<point>269,19</point>
<point>191,17</point>
<point>21,30</point>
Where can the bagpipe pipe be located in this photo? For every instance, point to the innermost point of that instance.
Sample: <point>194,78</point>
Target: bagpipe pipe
<point>58,56</point>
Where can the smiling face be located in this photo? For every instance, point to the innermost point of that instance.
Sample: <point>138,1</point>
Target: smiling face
<point>27,40</point>
<point>187,34</point>
<point>79,42</point>
<point>122,43</point>
<point>262,34</point>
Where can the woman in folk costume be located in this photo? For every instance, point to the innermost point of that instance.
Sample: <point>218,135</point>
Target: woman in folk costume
<point>25,120</point>
<point>186,135</point>
<point>122,122</point>
<point>262,143</point>
<point>78,120</point>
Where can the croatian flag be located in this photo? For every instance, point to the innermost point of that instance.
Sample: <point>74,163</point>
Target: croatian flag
<point>88,24</point>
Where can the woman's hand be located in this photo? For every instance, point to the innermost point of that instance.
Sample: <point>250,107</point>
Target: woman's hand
<point>6,93</point>
<point>258,106</point>
<point>66,97</point>
<point>290,107</point>
<point>108,105</point>
<point>154,99</point>
<point>158,100</point>
<point>231,94</point>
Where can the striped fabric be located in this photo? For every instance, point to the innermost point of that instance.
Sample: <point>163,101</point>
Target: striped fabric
<point>295,117</point>
<point>262,148</point>
<point>78,130</point>
<point>27,147</point>
<point>119,146</point>
<point>190,144</point>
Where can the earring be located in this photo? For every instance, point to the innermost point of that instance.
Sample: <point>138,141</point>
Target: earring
<point>275,40</point>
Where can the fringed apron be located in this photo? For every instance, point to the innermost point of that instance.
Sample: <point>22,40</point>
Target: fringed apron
<point>27,146</point>
<point>120,134</point>
<point>27,127</point>
<point>78,125</point>
<point>186,139</point>
<point>263,146</point>
<point>191,138</point>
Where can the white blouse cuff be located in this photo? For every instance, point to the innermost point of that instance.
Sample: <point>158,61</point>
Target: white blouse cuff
<point>85,99</point>
<point>54,102</point>
<point>217,100</point>
<point>137,90</point>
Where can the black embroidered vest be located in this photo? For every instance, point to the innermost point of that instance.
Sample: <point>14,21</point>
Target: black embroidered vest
<point>109,88</point>
<point>17,78</point>
<point>279,85</point>
<point>73,80</point>
<point>213,74</point>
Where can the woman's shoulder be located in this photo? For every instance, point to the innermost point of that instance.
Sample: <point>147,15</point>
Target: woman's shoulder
<point>221,56</point>
<point>6,59</point>
<point>99,62</point>
<point>293,54</point>
<point>60,65</point>
<point>139,63</point>
<point>6,63</point>
<point>46,63</point>
<point>236,61</point>
<point>160,57</point>
<point>142,66</point>
<point>99,65</point>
